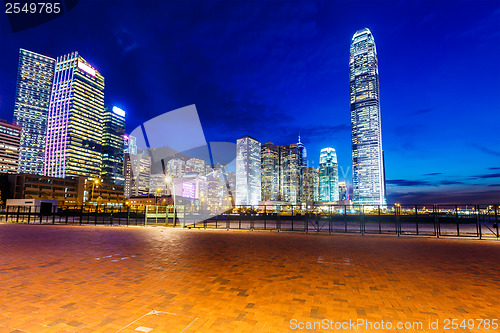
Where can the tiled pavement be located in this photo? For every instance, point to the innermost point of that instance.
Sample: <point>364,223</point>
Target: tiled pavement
<point>136,279</point>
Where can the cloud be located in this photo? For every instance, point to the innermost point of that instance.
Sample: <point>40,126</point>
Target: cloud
<point>487,150</point>
<point>487,176</point>
<point>433,174</point>
<point>404,182</point>
<point>464,196</point>
<point>494,168</point>
<point>421,111</point>
<point>450,182</point>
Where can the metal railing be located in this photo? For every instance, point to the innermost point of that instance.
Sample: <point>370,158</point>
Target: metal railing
<point>475,221</point>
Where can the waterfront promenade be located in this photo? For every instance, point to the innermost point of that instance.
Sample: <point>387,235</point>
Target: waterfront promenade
<point>135,279</point>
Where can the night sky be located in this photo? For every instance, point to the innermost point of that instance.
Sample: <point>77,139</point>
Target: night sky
<point>277,69</point>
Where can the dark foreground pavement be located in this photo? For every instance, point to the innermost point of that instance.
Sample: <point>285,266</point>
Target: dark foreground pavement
<point>136,279</point>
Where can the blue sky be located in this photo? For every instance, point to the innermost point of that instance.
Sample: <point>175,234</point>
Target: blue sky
<point>274,69</point>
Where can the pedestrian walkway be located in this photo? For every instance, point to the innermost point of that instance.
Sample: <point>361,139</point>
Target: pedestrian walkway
<point>136,279</point>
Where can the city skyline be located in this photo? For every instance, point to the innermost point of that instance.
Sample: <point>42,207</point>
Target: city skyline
<point>426,124</point>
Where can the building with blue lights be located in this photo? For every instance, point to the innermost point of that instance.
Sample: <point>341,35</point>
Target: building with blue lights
<point>328,175</point>
<point>248,171</point>
<point>112,145</point>
<point>34,84</point>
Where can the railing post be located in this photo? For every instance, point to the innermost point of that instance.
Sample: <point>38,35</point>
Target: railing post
<point>111,214</point>
<point>29,214</point>
<point>128,215</point>
<point>330,220</point>
<point>362,221</point>
<point>496,219</point>
<point>292,217</point>
<point>416,218</point>
<point>398,221</point>
<point>345,218</point>
<point>96,212</point>
<point>379,221</point>
<point>184,216</point>
<point>265,217</point>
<point>478,222</point>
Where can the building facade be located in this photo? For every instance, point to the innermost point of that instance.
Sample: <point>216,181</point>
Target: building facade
<point>137,171</point>
<point>112,145</point>
<point>292,163</point>
<point>328,175</point>
<point>75,121</point>
<point>34,84</point>
<point>270,176</point>
<point>366,135</point>
<point>248,171</point>
<point>67,191</point>
<point>10,140</point>
<point>310,183</point>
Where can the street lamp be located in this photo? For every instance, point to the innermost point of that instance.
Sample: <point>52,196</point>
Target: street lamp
<point>96,182</point>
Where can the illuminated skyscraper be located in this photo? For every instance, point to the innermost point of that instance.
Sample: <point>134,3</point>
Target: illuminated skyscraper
<point>112,146</point>
<point>290,173</point>
<point>270,163</point>
<point>34,83</point>
<point>292,163</point>
<point>10,137</point>
<point>196,165</point>
<point>248,173</point>
<point>328,175</point>
<point>366,135</point>
<point>75,122</point>
<point>310,183</point>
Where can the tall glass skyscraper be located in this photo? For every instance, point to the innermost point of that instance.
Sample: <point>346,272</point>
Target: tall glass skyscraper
<point>34,83</point>
<point>270,163</point>
<point>248,171</point>
<point>112,145</point>
<point>75,122</point>
<point>366,135</point>
<point>328,175</point>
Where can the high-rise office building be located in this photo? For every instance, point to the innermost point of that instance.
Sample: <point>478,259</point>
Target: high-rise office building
<point>270,164</point>
<point>292,163</point>
<point>176,167</point>
<point>366,135</point>
<point>248,171</point>
<point>310,183</point>
<point>328,175</point>
<point>34,83</point>
<point>75,121</point>
<point>112,145</point>
<point>302,154</point>
<point>10,138</point>
<point>137,169</point>
<point>196,165</point>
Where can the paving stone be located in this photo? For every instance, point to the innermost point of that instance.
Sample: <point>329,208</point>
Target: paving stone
<point>109,279</point>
